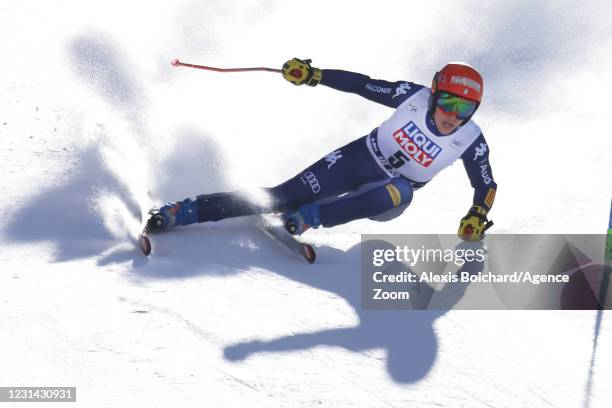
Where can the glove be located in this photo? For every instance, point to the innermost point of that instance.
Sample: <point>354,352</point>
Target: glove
<point>474,224</point>
<point>300,72</point>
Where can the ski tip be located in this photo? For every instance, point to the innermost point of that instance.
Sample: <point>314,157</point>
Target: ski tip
<point>145,244</point>
<point>174,62</point>
<point>309,253</point>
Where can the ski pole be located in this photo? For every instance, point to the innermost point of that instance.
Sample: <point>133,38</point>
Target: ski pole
<point>605,282</point>
<point>601,304</point>
<point>176,63</point>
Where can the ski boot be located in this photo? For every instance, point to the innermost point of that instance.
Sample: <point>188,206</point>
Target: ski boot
<point>172,214</point>
<point>297,222</point>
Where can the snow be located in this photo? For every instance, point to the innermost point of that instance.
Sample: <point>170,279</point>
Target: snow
<point>93,119</point>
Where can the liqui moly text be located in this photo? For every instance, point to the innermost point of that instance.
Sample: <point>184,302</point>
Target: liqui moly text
<point>416,144</point>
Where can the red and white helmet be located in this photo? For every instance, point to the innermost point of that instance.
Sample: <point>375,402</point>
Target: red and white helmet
<point>459,79</point>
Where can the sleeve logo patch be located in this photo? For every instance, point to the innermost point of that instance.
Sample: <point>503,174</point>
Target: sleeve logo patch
<point>490,198</point>
<point>402,89</point>
<point>480,151</point>
<point>376,88</point>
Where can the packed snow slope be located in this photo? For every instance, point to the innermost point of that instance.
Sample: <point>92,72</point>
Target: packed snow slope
<point>95,126</point>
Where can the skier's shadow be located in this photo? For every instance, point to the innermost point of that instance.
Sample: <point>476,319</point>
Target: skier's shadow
<point>61,214</point>
<point>407,336</point>
<point>67,216</point>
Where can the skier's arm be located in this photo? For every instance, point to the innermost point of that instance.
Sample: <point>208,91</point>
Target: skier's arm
<point>476,162</point>
<point>391,94</point>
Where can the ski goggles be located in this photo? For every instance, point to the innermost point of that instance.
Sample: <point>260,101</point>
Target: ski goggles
<point>450,103</point>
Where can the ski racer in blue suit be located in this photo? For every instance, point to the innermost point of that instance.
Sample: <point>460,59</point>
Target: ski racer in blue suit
<point>376,175</point>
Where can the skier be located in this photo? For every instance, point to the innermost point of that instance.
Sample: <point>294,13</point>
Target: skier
<point>375,175</point>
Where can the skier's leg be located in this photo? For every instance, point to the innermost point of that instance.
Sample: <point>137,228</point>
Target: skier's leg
<point>395,193</point>
<point>381,200</point>
<point>341,171</point>
<point>390,214</point>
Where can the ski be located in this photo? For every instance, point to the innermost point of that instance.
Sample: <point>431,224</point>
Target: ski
<point>144,243</point>
<point>269,225</point>
<point>280,234</point>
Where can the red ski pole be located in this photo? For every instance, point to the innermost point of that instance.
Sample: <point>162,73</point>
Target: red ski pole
<point>176,63</point>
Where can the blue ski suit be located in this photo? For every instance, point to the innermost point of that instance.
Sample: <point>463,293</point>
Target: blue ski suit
<point>375,175</point>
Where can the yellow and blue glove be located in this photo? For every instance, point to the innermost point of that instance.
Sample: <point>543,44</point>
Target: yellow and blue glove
<point>300,72</point>
<point>474,224</point>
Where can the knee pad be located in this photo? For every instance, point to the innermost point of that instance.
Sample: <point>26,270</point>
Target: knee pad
<point>400,191</point>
